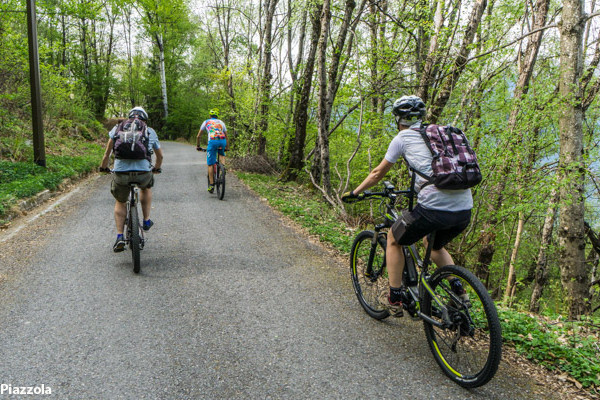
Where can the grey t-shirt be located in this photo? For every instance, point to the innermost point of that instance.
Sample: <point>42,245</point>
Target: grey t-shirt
<point>410,145</point>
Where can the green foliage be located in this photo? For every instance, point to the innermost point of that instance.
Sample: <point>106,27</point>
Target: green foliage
<point>571,347</point>
<point>24,179</point>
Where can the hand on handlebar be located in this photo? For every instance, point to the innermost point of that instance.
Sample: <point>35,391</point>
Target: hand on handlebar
<point>350,197</point>
<point>198,148</point>
<point>101,169</point>
<point>156,170</point>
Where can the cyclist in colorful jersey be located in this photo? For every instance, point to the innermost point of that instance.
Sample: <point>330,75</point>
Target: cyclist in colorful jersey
<point>216,131</point>
<point>447,212</point>
<point>126,171</point>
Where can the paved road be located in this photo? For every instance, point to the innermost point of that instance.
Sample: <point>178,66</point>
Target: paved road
<point>229,304</point>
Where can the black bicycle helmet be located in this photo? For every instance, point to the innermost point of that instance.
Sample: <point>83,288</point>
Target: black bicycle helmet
<point>408,109</point>
<point>138,112</point>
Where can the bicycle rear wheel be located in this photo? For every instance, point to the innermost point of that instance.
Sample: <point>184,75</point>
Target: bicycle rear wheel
<point>134,240</point>
<point>367,267</point>
<point>220,181</point>
<point>469,348</point>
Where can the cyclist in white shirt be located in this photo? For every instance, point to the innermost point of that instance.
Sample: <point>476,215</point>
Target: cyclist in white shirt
<point>446,212</point>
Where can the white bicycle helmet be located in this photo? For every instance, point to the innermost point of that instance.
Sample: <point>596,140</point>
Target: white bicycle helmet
<point>408,110</point>
<point>139,112</point>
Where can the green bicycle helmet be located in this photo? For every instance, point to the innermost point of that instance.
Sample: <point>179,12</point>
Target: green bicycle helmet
<point>214,113</point>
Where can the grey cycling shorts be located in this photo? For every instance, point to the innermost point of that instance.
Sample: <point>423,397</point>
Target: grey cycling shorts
<point>121,180</point>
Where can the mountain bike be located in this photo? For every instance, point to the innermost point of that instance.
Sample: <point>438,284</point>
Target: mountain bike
<point>463,332</point>
<point>134,234</point>
<point>219,173</point>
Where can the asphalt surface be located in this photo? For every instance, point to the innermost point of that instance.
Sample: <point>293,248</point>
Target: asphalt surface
<point>230,304</point>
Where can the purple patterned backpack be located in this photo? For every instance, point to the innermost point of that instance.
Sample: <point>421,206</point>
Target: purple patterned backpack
<point>454,163</point>
<point>131,140</point>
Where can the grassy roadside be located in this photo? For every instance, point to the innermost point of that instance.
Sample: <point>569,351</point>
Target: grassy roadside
<point>19,180</point>
<point>570,347</point>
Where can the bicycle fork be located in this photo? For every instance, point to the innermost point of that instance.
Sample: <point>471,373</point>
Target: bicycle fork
<point>369,273</point>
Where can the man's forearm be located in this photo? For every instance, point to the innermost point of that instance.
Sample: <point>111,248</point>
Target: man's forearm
<point>159,159</point>
<point>107,151</point>
<point>370,180</point>
<point>374,176</point>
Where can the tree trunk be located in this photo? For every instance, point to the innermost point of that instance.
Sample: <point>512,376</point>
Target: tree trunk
<point>223,13</point>
<point>282,157</point>
<point>127,32</point>
<point>64,40</point>
<point>427,75</point>
<point>574,276</point>
<point>511,281</point>
<point>487,249</point>
<point>322,118</point>
<point>297,142</point>
<point>329,82</point>
<point>593,259</point>
<point>541,271</point>
<point>459,63</point>
<point>161,66</point>
<point>265,87</point>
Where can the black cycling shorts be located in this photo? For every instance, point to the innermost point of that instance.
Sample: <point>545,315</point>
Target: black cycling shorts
<point>420,222</point>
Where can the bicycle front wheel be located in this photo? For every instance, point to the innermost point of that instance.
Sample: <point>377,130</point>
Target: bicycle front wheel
<point>134,240</point>
<point>468,348</point>
<point>220,181</point>
<point>367,267</point>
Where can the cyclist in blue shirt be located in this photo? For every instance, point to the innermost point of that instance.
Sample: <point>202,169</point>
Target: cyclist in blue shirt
<point>127,171</point>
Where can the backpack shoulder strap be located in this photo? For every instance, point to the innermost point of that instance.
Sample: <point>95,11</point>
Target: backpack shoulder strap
<point>415,172</point>
<point>114,132</point>
<point>422,132</point>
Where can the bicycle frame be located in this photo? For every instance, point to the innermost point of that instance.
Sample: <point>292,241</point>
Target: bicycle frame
<point>215,167</point>
<point>416,282</point>
<point>132,202</point>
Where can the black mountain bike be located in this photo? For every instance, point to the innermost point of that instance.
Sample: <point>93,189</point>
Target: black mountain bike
<point>463,332</point>
<point>218,175</point>
<point>134,234</point>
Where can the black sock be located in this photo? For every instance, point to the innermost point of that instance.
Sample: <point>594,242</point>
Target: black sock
<point>395,295</point>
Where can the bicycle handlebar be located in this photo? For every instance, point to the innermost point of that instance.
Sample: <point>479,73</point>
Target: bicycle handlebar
<point>388,191</point>
<point>112,171</point>
<point>198,148</point>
